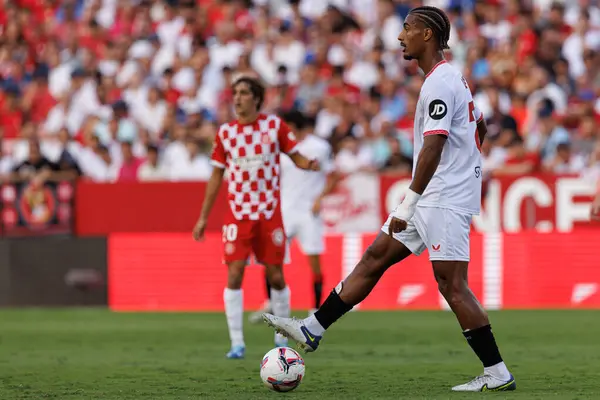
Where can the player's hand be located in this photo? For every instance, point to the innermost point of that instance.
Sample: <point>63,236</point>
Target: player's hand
<point>396,226</point>
<point>596,208</point>
<point>199,228</point>
<point>313,165</point>
<point>316,209</point>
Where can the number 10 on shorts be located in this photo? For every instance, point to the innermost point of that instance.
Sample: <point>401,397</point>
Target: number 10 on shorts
<point>230,233</point>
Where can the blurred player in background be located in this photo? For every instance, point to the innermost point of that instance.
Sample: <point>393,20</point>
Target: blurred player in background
<point>436,213</point>
<point>301,195</point>
<point>249,149</point>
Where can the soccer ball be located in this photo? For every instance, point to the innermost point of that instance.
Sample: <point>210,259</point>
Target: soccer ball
<point>282,369</point>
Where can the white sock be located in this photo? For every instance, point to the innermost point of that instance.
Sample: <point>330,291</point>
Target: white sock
<point>498,371</point>
<point>280,302</point>
<point>313,325</point>
<point>234,310</point>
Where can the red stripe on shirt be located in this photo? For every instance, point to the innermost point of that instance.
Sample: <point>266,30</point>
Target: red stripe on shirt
<point>436,132</point>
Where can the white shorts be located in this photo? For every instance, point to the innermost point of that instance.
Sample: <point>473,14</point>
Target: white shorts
<point>308,229</point>
<point>444,232</point>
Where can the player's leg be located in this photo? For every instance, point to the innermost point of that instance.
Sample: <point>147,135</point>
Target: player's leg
<point>473,319</point>
<point>233,297</point>
<point>314,260</point>
<point>269,247</point>
<point>280,297</point>
<point>384,252</point>
<point>256,316</point>
<point>236,240</point>
<point>446,234</point>
<point>312,242</point>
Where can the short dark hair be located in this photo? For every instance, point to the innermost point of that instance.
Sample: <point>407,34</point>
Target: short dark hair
<point>436,20</point>
<point>256,87</point>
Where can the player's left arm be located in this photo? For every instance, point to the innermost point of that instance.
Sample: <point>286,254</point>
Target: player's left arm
<point>333,178</point>
<point>439,110</point>
<point>288,144</point>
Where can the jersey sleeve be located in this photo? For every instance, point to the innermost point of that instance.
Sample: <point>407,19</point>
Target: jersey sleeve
<point>218,157</point>
<point>439,110</point>
<point>286,138</point>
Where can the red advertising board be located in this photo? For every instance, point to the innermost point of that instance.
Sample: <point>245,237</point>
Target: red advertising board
<point>169,272</point>
<point>143,207</point>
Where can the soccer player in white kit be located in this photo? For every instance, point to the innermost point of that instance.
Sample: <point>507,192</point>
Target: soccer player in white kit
<point>301,195</point>
<point>436,213</point>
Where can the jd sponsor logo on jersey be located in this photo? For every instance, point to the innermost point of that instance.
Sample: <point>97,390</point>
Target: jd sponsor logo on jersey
<point>437,109</point>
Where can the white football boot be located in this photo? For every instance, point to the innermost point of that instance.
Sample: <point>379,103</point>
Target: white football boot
<point>294,329</point>
<point>487,383</point>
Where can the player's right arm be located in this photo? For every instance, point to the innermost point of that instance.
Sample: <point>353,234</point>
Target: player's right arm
<point>596,205</point>
<point>218,161</point>
<point>481,128</point>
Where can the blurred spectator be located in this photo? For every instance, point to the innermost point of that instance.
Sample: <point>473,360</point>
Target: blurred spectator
<point>36,167</point>
<point>564,162</point>
<point>152,169</point>
<point>130,165</point>
<point>194,166</point>
<point>518,160</point>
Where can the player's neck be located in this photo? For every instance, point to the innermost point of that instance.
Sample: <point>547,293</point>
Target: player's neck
<point>429,61</point>
<point>247,119</point>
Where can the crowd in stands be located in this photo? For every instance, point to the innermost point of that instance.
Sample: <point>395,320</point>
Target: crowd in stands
<point>123,90</point>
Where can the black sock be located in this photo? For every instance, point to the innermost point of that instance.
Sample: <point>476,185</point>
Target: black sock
<point>484,345</point>
<point>318,288</point>
<point>268,286</point>
<point>332,309</point>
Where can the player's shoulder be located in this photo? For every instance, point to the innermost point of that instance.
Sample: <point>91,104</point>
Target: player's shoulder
<point>228,127</point>
<point>443,74</point>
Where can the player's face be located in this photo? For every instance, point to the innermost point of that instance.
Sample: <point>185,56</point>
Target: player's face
<point>243,99</point>
<point>413,38</point>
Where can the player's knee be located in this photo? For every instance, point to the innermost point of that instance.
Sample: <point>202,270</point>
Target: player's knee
<point>371,263</point>
<point>454,289</point>
<point>275,276</point>
<point>235,276</point>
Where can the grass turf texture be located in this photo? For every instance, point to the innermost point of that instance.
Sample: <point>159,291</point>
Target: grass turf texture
<point>95,354</point>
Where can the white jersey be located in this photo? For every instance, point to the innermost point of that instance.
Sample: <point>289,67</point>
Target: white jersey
<point>446,107</point>
<point>300,188</point>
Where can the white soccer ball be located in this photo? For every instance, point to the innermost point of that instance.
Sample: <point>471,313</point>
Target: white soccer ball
<point>282,369</point>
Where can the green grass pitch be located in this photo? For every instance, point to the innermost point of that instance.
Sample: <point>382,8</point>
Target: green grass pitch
<point>96,354</point>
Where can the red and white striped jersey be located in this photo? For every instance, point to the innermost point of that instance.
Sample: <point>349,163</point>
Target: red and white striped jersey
<point>251,156</point>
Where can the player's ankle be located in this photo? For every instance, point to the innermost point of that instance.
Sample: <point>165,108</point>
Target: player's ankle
<point>333,308</point>
<point>498,371</point>
<point>483,343</point>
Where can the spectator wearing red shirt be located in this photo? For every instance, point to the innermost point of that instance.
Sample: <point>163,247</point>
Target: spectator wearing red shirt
<point>37,99</point>
<point>129,169</point>
<point>11,117</point>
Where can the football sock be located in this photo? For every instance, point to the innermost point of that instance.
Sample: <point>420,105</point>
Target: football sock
<point>318,288</point>
<point>332,309</point>
<point>268,286</point>
<point>234,310</point>
<point>280,302</point>
<point>484,345</point>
